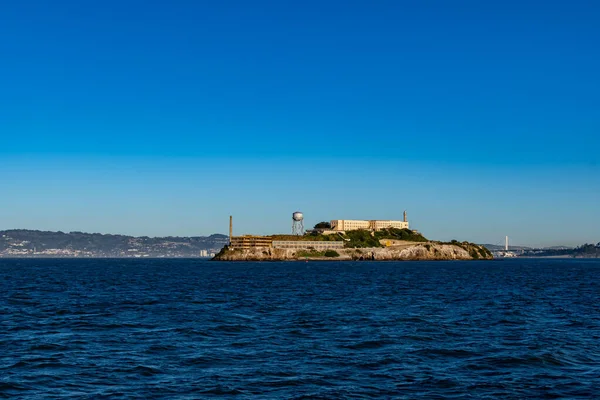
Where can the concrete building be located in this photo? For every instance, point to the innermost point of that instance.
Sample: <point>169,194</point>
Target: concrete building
<point>249,241</point>
<point>306,244</point>
<point>378,225</point>
<point>372,225</point>
<point>323,231</point>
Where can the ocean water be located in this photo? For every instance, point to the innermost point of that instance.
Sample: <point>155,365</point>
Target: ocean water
<point>187,329</point>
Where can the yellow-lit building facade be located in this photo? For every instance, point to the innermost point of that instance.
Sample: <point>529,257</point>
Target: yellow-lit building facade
<point>249,241</point>
<point>305,244</point>
<point>372,225</point>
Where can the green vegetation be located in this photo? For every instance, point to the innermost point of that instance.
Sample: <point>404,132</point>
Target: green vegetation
<point>311,253</point>
<point>400,234</point>
<point>587,250</point>
<point>358,238</point>
<point>485,253</point>
<point>323,225</point>
<point>224,250</point>
<point>308,253</point>
<point>364,238</point>
<point>368,239</point>
<point>462,245</point>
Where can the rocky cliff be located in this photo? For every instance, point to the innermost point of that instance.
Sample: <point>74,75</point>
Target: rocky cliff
<point>416,251</point>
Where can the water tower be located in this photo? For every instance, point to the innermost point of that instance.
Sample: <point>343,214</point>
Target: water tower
<point>297,223</point>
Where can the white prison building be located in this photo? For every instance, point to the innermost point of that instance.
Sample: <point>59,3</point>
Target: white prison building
<point>373,225</point>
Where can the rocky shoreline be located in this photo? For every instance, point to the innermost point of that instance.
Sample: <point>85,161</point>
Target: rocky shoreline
<point>409,252</point>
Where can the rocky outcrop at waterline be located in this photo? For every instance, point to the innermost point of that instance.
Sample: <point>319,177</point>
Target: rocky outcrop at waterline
<point>407,252</point>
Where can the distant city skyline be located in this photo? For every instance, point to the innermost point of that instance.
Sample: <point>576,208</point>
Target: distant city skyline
<point>478,118</point>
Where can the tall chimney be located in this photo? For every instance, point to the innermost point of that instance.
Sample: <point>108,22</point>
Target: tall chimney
<point>230,228</point>
<point>405,220</point>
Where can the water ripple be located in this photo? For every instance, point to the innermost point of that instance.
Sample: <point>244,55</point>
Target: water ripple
<point>191,329</point>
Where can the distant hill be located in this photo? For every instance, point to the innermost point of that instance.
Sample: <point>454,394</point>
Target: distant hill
<point>31,243</point>
<point>583,251</point>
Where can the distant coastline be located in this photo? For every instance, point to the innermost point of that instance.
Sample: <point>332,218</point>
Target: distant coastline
<point>22,243</point>
<point>582,251</point>
<point>358,245</point>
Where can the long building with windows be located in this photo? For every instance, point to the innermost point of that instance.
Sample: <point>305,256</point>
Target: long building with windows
<point>308,244</point>
<point>250,241</point>
<point>371,225</point>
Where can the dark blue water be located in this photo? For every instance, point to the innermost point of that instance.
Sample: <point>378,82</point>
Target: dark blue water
<point>193,329</point>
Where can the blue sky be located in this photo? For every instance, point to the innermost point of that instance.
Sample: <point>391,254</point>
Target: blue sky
<point>163,118</point>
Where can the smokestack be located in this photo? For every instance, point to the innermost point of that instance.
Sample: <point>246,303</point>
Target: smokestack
<point>405,220</point>
<point>506,244</point>
<point>230,228</point>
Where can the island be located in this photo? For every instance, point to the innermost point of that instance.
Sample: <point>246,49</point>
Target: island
<point>323,243</point>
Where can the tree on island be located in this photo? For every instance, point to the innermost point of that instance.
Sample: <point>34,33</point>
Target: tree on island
<point>323,225</point>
